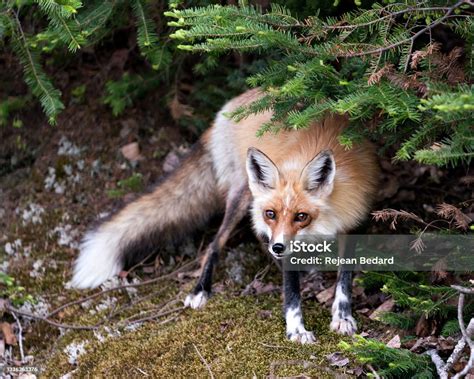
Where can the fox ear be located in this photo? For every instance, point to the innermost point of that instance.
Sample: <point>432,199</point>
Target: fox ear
<point>318,175</point>
<point>261,171</point>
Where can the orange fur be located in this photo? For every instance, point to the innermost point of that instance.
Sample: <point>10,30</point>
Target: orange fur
<point>356,169</point>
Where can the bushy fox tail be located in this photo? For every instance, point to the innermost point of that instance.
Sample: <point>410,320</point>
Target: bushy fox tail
<point>181,203</point>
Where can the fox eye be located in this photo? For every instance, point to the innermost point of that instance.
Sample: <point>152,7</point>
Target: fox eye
<point>301,217</point>
<point>270,214</point>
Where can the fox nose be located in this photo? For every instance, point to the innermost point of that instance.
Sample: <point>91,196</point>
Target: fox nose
<point>278,248</point>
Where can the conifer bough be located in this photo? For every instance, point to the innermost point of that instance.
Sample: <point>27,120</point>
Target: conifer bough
<point>70,25</point>
<point>386,67</point>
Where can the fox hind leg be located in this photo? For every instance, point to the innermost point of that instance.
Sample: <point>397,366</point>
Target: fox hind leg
<point>237,205</point>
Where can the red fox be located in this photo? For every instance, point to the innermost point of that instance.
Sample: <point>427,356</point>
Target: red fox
<point>294,183</point>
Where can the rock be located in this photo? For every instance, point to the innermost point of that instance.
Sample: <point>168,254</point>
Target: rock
<point>131,152</point>
<point>394,342</point>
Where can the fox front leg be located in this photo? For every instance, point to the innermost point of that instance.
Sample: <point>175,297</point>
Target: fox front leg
<point>237,204</point>
<point>295,329</point>
<point>342,320</point>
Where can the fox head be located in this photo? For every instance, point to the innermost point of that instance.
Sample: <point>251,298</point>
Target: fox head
<point>292,202</point>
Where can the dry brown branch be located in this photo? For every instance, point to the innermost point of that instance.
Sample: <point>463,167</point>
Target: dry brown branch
<point>419,55</point>
<point>454,214</point>
<point>385,215</point>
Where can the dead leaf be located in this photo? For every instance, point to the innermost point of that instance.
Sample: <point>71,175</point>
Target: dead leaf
<point>257,287</point>
<point>389,188</point>
<point>9,336</point>
<point>386,306</point>
<point>404,196</point>
<point>358,291</point>
<point>179,110</point>
<point>148,270</point>
<point>337,359</point>
<point>189,274</point>
<point>118,59</point>
<point>128,126</point>
<point>395,342</point>
<point>424,343</point>
<point>131,152</point>
<point>446,343</point>
<point>363,311</point>
<point>326,295</point>
<point>225,325</point>
<point>423,328</point>
<point>265,313</point>
<point>438,271</point>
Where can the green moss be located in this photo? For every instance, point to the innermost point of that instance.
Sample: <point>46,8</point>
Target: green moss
<point>134,183</point>
<point>237,337</point>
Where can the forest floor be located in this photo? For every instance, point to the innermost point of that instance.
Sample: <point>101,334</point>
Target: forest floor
<point>57,181</point>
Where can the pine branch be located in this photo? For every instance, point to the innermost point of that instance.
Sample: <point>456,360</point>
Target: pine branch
<point>410,40</point>
<point>37,80</point>
<point>62,23</point>
<point>146,36</point>
<point>154,51</point>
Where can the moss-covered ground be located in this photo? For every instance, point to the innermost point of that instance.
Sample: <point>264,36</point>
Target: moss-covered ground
<point>234,337</point>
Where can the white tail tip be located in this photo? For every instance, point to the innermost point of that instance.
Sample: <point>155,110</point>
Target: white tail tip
<point>99,260</point>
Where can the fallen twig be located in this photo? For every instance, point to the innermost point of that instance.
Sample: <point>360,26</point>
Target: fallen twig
<point>274,346</point>
<point>124,307</point>
<point>466,333</point>
<point>439,363</point>
<point>8,307</point>
<point>13,310</point>
<point>204,361</point>
<point>154,316</point>
<point>376,376</point>
<point>131,285</point>
<point>443,368</point>
<point>20,337</point>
